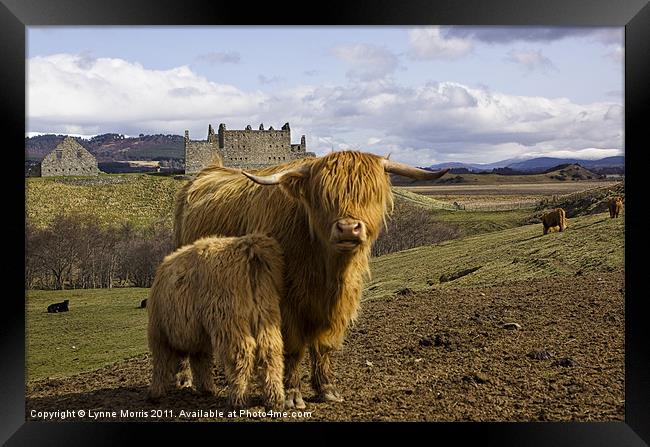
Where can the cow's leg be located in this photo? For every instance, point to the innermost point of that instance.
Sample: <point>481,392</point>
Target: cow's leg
<point>292,358</point>
<point>201,364</point>
<point>321,373</point>
<point>183,373</point>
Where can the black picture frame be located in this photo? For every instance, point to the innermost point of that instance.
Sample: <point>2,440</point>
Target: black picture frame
<point>16,15</point>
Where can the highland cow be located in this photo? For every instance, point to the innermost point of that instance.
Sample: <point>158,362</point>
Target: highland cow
<point>555,218</point>
<point>325,213</point>
<point>219,297</point>
<point>58,307</point>
<point>615,205</point>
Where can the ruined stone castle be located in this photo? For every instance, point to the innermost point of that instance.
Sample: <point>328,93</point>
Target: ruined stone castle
<point>246,149</point>
<point>69,158</point>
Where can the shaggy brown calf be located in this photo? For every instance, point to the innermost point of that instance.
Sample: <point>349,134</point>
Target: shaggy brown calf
<point>219,296</point>
<point>325,213</point>
<point>615,206</point>
<point>555,218</point>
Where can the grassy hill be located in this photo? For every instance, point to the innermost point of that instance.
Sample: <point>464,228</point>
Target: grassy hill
<point>113,199</point>
<point>593,243</point>
<point>104,326</point>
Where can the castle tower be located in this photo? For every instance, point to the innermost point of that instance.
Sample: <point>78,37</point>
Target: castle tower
<point>222,135</point>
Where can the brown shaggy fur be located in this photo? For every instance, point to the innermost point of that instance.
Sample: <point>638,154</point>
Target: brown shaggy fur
<point>615,206</point>
<point>219,296</point>
<point>555,218</point>
<point>322,286</point>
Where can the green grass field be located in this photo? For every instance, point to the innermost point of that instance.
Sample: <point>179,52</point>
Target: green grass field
<point>102,326</point>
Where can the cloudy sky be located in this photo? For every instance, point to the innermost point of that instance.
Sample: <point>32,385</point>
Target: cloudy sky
<point>426,95</point>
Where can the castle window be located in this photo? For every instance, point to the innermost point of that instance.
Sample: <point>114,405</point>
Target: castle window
<point>79,154</point>
<point>59,154</point>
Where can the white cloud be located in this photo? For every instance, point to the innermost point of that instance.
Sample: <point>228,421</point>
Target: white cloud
<point>110,95</point>
<point>429,123</point>
<point>422,125</point>
<point>583,154</point>
<point>367,62</point>
<point>531,60</point>
<point>429,43</point>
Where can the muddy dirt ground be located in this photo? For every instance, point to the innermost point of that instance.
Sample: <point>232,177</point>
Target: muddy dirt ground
<point>437,355</point>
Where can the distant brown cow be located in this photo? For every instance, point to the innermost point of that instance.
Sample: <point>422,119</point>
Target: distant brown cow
<point>615,206</point>
<point>325,213</point>
<point>555,218</point>
<point>219,296</point>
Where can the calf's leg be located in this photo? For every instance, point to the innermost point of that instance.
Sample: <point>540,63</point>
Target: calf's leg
<point>270,352</point>
<point>239,361</point>
<point>164,360</point>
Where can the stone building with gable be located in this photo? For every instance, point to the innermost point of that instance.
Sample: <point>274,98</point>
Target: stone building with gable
<point>246,149</point>
<point>69,158</point>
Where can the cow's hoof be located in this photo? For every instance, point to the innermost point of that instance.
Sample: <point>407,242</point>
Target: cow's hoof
<point>329,394</point>
<point>293,399</point>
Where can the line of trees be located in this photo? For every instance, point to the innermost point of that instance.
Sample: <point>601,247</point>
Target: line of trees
<point>75,251</point>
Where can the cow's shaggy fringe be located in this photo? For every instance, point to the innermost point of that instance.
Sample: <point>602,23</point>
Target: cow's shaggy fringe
<point>322,287</point>
<point>219,296</point>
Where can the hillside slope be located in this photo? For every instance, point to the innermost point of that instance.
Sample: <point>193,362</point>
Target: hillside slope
<point>112,199</point>
<point>593,243</point>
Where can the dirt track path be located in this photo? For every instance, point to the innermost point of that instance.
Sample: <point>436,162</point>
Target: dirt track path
<point>432,356</point>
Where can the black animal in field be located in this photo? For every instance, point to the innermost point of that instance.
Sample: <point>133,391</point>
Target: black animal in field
<point>143,304</point>
<point>58,307</point>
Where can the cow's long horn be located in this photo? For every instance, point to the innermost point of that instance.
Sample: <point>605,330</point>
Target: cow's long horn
<point>409,171</point>
<point>275,179</point>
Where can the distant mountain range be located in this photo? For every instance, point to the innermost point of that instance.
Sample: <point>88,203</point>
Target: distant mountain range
<point>112,147</point>
<point>534,165</point>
